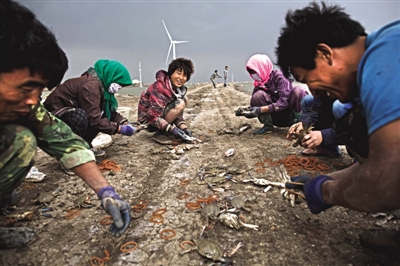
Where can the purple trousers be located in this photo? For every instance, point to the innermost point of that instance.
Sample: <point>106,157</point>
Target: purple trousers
<point>281,118</point>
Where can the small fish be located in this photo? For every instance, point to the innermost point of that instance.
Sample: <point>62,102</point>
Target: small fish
<point>229,152</point>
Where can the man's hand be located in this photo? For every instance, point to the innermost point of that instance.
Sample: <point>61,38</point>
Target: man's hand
<point>252,112</point>
<point>187,131</point>
<point>178,133</point>
<point>312,139</point>
<point>117,208</point>
<point>295,129</point>
<point>312,189</point>
<point>128,130</point>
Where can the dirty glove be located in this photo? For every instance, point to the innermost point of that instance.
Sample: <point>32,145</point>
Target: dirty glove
<point>187,132</point>
<point>128,130</point>
<point>178,133</point>
<point>253,112</point>
<point>312,190</point>
<point>117,208</point>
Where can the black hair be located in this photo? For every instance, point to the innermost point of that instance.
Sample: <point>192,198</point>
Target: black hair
<point>181,64</point>
<point>306,28</point>
<point>27,43</point>
<point>216,71</point>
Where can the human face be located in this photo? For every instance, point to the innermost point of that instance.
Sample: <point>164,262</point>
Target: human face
<point>328,78</point>
<point>178,78</point>
<point>19,91</point>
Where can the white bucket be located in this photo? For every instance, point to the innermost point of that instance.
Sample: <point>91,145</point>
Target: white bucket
<point>124,111</point>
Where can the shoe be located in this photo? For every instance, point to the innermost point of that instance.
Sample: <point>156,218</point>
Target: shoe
<point>385,242</point>
<point>266,129</point>
<point>98,152</point>
<point>318,151</point>
<point>67,171</point>
<point>16,237</point>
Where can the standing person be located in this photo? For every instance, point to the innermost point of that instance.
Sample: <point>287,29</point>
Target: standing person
<point>274,100</point>
<point>322,46</point>
<point>214,76</point>
<point>88,104</point>
<point>225,76</point>
<point>30,61</point>
<point>320,113</point>
<point>162,104</point>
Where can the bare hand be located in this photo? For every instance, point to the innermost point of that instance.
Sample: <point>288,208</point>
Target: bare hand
<point>295,128</point>
<point>312,140</point>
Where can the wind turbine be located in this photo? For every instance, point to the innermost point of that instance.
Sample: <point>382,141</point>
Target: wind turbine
<point>171,45</point>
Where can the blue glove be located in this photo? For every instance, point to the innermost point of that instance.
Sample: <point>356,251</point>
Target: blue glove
<point>178,133</point>
<point>187,132</point>
<point>128,130</point>
<point>312,190</point>
<point>252,112</point>
<point>117,208</point>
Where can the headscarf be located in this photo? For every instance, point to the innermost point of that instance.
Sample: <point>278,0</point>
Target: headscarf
<point>111,71</point>
<point>261,64</point>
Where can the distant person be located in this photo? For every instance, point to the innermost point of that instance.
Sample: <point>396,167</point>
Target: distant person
<point>320,112</point>
<point>30,61</point>
<point>225,76</point>
<point>275,101</point>
<point>88,104</point>
<point>214,76</point>
<point>162,104</point>
<point>344,63</point>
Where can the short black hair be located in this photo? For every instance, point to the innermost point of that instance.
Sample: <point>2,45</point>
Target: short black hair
<point>181,64</point>
<point>306,28</point>
<point>27,43</point>
<point>216,71</point>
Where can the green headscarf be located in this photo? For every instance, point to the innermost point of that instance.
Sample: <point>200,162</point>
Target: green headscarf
<point>111,71</point>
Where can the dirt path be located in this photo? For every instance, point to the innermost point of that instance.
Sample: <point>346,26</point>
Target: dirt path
<point>286,236</point>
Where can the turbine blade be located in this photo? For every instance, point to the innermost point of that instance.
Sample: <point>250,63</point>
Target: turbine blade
<point>169,50</point>
<point>167,31</point>
<point>180,41</point>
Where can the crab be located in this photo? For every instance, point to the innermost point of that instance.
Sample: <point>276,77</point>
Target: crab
<point>232,220</point>
<point>238,203</point>
<point>209,211</point>
<point>299,136</point>
<point>83,201</point>
<point>208,249</point>
<point>46,197</point>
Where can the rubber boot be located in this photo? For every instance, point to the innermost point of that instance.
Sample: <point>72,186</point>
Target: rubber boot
<point>265,119</point>
<point>295,117</point>
<point>16,237</point>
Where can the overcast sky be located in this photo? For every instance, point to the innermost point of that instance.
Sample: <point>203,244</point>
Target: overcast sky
<point>219,32</point>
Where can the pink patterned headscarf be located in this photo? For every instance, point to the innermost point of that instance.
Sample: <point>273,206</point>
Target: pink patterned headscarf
<point>261,64</point>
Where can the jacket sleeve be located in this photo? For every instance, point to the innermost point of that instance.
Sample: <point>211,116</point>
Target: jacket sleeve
<point>89,99</point>
<point>56,138</point>
<point>283,86</point>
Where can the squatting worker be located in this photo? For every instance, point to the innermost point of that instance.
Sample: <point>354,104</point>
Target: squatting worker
<point>162,104</point>
<point>344,63</point>
<point>30,61</point>
<point>87,104</point>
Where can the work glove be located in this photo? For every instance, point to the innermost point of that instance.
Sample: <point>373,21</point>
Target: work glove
<point>117,208</point>
<point>252,112</point>
<point>178,133</point>
<point>187,132</point>
<point>312,190</point>
<point>128,130</point>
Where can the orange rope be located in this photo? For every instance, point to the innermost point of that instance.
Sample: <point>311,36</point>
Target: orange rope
<point>108,165</point>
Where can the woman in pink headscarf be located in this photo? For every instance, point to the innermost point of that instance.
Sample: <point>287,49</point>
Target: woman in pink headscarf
<point>274,100</point>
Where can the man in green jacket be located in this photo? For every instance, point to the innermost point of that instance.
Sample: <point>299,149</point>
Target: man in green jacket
<point>30,61</point>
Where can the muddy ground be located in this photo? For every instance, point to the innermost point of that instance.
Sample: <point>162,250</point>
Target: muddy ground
<point>287,235</point>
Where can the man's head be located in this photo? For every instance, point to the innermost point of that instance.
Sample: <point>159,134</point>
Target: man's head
<point>179,71</point>
<point>30,60</point>
<point>312,42</point>
<point>226,67</point>
<point>27,43</point>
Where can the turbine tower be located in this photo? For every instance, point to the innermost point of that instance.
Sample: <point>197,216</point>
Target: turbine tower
<point>171,45</point>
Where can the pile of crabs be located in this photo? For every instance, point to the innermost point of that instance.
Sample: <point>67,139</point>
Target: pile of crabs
<point>227,211</point>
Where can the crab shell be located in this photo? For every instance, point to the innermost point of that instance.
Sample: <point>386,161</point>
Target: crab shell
<point>209,249</point>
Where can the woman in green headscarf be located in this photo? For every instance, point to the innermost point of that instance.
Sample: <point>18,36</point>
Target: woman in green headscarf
<point>88,104</point>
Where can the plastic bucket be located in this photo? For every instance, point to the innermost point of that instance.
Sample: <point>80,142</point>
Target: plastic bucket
<point>124,111</point>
